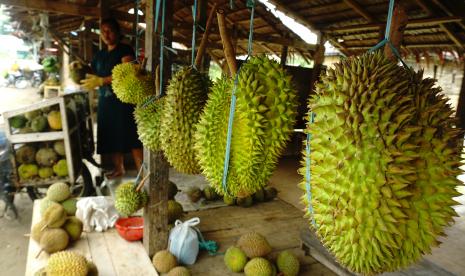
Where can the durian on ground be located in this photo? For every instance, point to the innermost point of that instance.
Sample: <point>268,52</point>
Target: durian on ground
<point>263,121</point>
<point>384,161</point>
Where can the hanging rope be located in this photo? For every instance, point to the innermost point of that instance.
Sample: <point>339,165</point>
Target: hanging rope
<point>387,33</point>
<point>308,174</point>
<point>250,4</point>
<point>136,11</point>
<point>194,30</point>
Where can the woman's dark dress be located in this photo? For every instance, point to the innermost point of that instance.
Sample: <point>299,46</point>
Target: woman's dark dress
<point>116,128</point>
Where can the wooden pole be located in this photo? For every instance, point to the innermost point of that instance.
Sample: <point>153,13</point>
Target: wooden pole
<point>203,43</point>
<point>227,44</point>
<point>284,52</point>
<point>398,24</point>
<point>461,104</point>
<point>156,212</point>
<point>318,59</point>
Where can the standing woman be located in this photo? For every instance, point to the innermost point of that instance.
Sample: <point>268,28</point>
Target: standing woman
<point>116,128</point>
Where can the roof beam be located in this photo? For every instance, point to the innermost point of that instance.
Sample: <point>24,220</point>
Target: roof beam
<point>53,6</point>
<point>411,23</point>
<point>356,7</point>
<point>293,14</point>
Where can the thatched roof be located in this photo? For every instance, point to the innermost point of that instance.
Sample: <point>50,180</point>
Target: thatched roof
<point>350,25</point>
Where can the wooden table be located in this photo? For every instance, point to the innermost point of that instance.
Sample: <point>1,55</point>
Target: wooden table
<point>111,254</point>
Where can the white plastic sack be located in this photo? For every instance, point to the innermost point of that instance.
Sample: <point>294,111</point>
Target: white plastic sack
<point>96,213</point>
<point>184,242</point>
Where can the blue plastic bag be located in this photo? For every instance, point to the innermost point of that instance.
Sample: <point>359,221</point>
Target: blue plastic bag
<point>184,242</point>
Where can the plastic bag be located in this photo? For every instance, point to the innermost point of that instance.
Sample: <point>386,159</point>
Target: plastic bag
<point>184,242</point>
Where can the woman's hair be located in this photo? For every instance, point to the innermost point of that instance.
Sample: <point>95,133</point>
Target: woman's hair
<point>113,24</point>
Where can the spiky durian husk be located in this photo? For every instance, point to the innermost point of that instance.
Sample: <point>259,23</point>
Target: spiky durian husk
<point>185,99</point>
<point>384,161</point>
<point>128,200</point>
<point>263,120</point>
<point>148,123</point>
<point>130,84</point>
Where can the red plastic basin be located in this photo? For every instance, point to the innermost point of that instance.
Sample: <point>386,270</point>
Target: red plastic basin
<point>131,229</point>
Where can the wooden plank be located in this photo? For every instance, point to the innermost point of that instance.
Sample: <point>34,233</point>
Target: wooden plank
<point>36,137</point>
<point>398,24</point>
<point>128,258</point>
<point>359,9</point>
<point>53,6</point>
<point>98,247</point>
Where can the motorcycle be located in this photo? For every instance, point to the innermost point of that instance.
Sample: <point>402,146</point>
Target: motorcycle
<point>7,188</point>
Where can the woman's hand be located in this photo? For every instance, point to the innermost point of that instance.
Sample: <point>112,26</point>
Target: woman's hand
<point>91,82</point>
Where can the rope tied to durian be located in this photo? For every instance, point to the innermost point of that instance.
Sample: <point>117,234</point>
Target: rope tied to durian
<point>232,108</point>
<point>387,32</point>
<point>194,30</point>
<point>308,175</point>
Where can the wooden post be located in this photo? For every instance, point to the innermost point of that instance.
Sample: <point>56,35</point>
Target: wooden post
<point>461,104</point>
<point>284,51</point>
<point>87,47</point>
<point>228,48</point>
<point>156,212</point>
<point>318,59</point>
<point>398,24</point>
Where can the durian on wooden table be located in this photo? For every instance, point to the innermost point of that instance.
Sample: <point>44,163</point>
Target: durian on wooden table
<point>111,254</point>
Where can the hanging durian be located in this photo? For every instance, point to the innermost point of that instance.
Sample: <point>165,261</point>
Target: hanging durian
<point>186,96</point>
<point>263,121</point>
<point>148,123</point>
<point>384,161</point>
<point>130,83</point>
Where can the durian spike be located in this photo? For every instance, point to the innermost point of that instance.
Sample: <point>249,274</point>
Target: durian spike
<point>38,254</point>
<point>227,44</point>
<point>203,42</point>
<point>141,184</point>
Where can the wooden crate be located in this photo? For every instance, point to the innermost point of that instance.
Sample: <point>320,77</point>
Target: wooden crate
<point>69,134</point>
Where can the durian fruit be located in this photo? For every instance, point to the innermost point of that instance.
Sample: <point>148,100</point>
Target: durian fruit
<point>194,194</point>
<point>36,230</point>
<point>61,168</point>
<point>27,171</point>
<point>32,114</point>
<point>229,200</point>
<point>45,172</point>
<point>235,259</point>
<point>259,195</point>
<point>54,216</point>
<point>46,157</point>
<point>130,84</point>
<point>270,193</point>
<point>39,124</point>
<point>59,147</point>
<point>45,203</point>
<point>209,193</point>
<point>58,192</point>
<point>92,269</point>
<point>148,123</point>
<point>384,161</point>
<point>70,206</point>
<point>164,261</point>
<point>288,264</point>
<point>54,240</point>
<point>254,245</point>
<point>263,121</point>
<point>54,120</point>
<point>244,201</point>
<point>174,211</point>
<point>67,263</point>
<point>185,98</point>
<point>18,121</point>
<point>179,271</point>
<point>25,154</point>
<point>258,267</point>
<point>73,226</point>
<point>128,200</point>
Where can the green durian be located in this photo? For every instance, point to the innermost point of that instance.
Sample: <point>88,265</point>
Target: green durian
<point>258,267</point>
<point>67,263</point>
<point>130,83</point>
<point>263,121</point>
<point>183,104</point>
<point>384,160</point>
<point>128,200</point>
<point>148,123</point>
<point>235,259</point>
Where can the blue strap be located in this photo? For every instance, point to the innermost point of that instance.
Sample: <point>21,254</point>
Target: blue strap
<point>210,246</point>
<point>162,48</point>
<point>194,30</point>
<point>386,36</point>
<point>157,12</point>
<point>308,175</point>
<point>232,107</point>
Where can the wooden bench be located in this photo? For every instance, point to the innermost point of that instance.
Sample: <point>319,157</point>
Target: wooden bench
<point>111,254</point>
<point>312,246</point>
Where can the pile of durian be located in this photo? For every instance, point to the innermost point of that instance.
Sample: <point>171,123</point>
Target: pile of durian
<point>58,226</point>
<point>165,262</point>
<point>251,255</point>
<point>384,160</point>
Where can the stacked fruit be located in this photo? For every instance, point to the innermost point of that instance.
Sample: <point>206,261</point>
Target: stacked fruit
<point>58,226</point>
<point>165,262</point>
<point>68,263</point>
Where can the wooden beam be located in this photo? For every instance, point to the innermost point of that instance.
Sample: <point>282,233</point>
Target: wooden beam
<point>398,24</point>
<point>411,23</point>
<point>450,33</point>
<point>284,53</point>
<point>64,46</point>
<point>53,6</point>
<point>356,7</point>
<point>284,8</point>
<point>439,44</point>
<point>318,59</point>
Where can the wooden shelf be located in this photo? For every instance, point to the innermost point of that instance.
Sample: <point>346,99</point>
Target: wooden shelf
<point>36,137</point>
